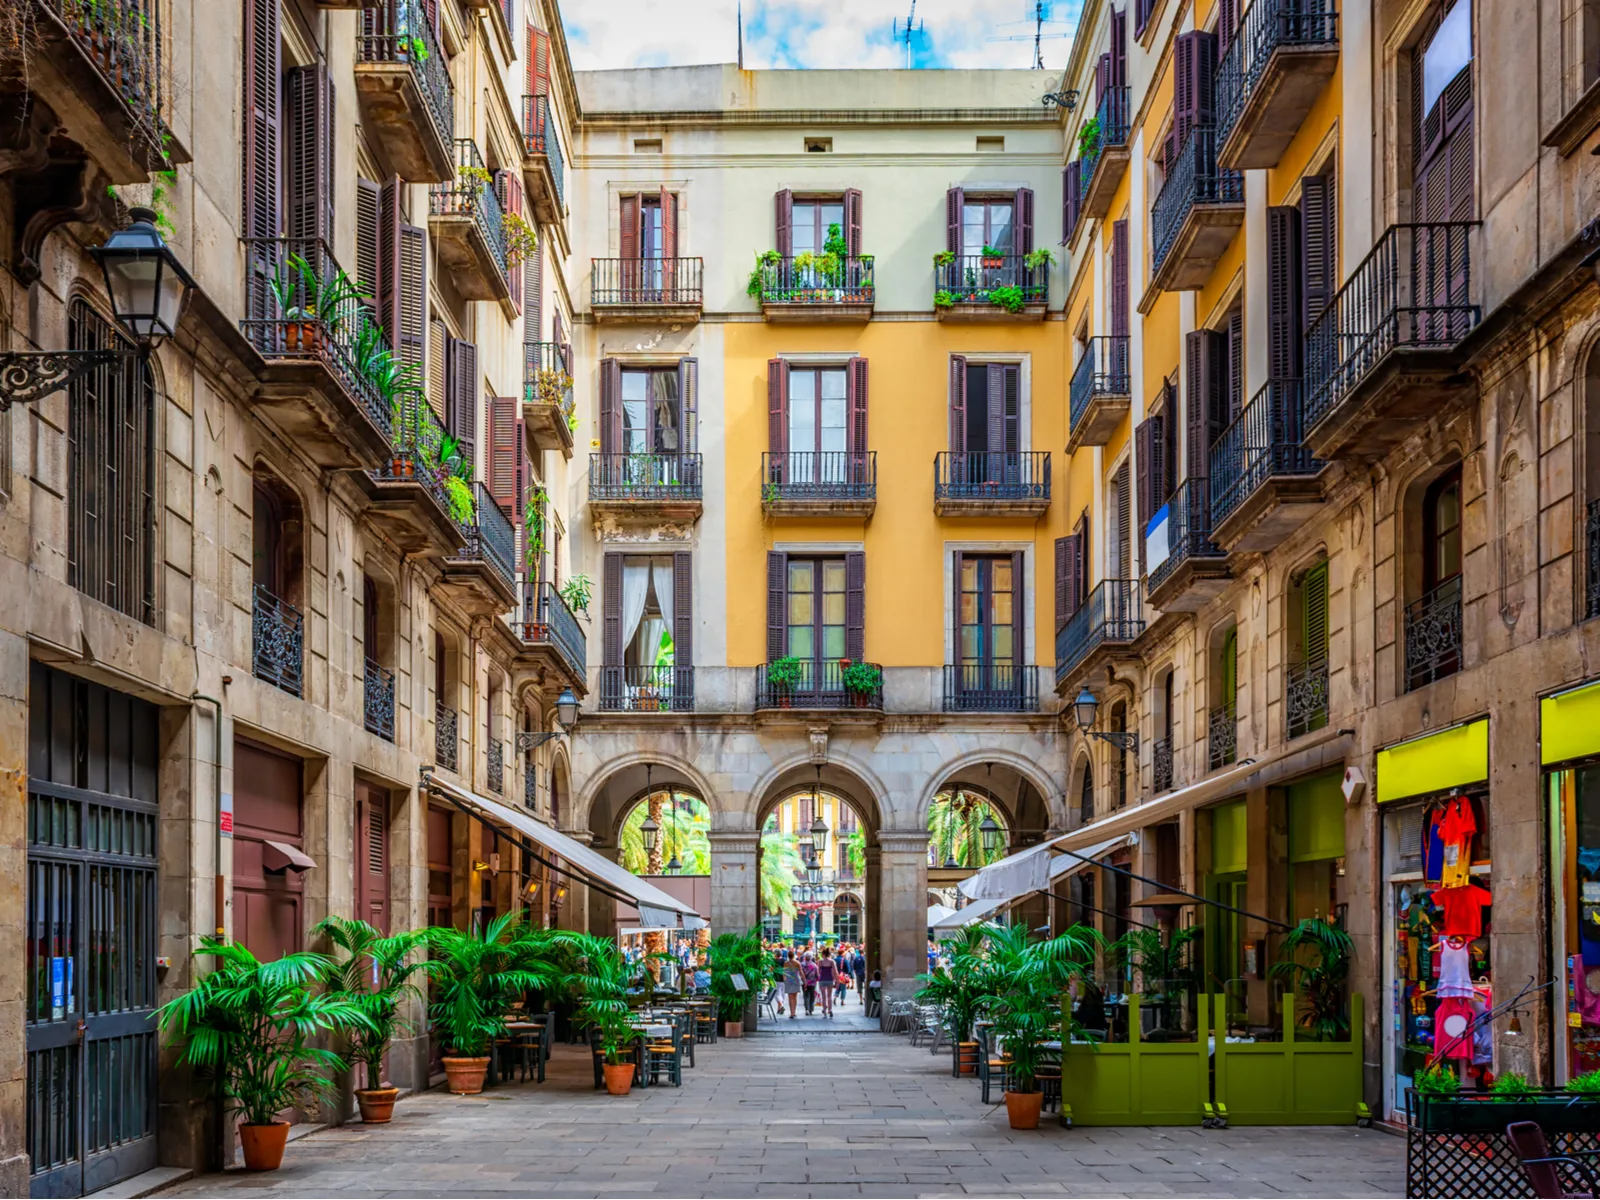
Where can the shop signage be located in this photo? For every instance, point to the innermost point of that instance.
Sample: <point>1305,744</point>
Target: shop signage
<point>1436,762</point>
<point>1569,725</point>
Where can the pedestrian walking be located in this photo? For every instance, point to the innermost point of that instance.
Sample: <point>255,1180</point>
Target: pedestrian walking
<point>791,981</point>
<point>827,977</point>
<point>842,984</point>
<point>808,982</point>
<point>858,968</point>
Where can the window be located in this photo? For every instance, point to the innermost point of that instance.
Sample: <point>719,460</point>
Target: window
<point>651,233</point>
<point>1441,530</point>
<point>647,145</point>
<point>815,609</point>
<point>819,145</point>
<point>990,400</point>
<point>818,421</point>
<point>650,411</point>
<point>1086,795</point>
<point>1433,632</point>
<point>986,223</point>
<point>1442,104</point>
<point>847,919</point>
<point>811,220</point>
<point>987,618</point>
<point>647,598</point>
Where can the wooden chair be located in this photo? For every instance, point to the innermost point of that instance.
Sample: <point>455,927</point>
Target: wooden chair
<point>666,1055</point>
<point>1543,1169</point>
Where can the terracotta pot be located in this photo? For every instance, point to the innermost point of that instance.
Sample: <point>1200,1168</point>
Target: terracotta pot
<point>967,1058</point>
<point>994,263</point>
<point>733,1029</point>
<point>377,1104</point>
<point>466,1075</point>
<point>619,1078</point>
<point>1023,1109</point>
<point>263,1145</point>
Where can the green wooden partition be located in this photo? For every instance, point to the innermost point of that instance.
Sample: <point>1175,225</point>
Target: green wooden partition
<point>1292,1082</point>
<point>1137,1082</point>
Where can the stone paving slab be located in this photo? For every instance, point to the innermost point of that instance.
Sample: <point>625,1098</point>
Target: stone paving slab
<point>827,1115</point>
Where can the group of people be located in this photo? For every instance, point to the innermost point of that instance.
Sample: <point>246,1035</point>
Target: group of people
<point>823,978</point>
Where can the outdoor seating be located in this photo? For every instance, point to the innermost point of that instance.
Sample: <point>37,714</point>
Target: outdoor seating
<point>1544,1169</point>
<point>705,1028</point>
<point>664,1055</point>
<point>769,1003</point>
<point>899,1017</point>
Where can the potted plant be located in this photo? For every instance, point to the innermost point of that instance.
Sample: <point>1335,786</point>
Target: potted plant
<point>1321,981</point>
<point>993,257</point>
<point>862,680</point>
<point>729,955</point>
<point>783,676</point>
<point>1162,960</point>
<point>576,591</point>
<point>959,991</point>
<point>1008,297</point>
<point>944,258</point>
<point>247,1024</point>
<point>377,975</point>
<point>762,274</point>
<point>1042,257</point>
<point>601,979</point>
<point>944,299</point>
<point>1089,137</point>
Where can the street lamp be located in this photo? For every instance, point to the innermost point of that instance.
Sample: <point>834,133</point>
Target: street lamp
<point>650,831</point>
<point>989,831</point>
<point>566,722</point>
<point>819,827</point>
<point>1084,709</point>
<point>147,285</point>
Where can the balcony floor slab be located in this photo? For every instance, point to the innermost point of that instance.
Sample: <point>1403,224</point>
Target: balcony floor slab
<point>1193,583</point>
<point>395,113</point>
<point>1099,421</point>
<point>1274,510</point>
<point>1032,508</point>
<point>1277,106</point>
<point>1103,183</point>
<point>990,314</point>
<point>1203,238</point>
<point>1384,407</point>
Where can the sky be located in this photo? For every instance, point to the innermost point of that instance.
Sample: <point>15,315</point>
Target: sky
<point>814,33</point>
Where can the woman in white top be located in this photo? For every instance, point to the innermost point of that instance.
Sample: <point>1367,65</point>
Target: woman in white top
<point>791,982</point>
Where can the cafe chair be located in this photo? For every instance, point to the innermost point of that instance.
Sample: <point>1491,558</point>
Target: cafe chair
<point>1544,1169</point>
<point>705,1027</point>
<point>664,1055</point>
<point>769,1002</point>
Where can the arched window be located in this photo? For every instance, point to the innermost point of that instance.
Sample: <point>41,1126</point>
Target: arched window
<point>1086,795</point>
<point>277,625</point>
<point>1222,722</point>
<point>1433,620</point>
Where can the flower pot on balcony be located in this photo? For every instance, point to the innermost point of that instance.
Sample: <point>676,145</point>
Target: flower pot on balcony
<point>263,1145</point>
<point>402,468</point>
<point>377,1104</point>
<point>860,699</point>
<point>994,263</point>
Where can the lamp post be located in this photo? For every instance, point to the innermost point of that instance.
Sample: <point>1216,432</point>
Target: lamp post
<point>1084,710</point>
<point>148,287</point>
<point>566,722</point>
<point>989,831</point>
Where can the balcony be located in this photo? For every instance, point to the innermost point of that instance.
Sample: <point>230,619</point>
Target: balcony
<point>652,290</point>
<point>447,737</point>
<point>277,635</point>
<point>828,483</point>
<point>1222,737</point>
<point>543,168</point>
<point>1282,55</point>
<point>481,577</point>
<point>1385,353</point>
<point>1264,482</point>
<point>313,388</point>
<point>979,289</point>
<point>1433,635</point>
<point>1102,631</point>
<point>647,689</point>
<point>818,686</point>
<point>990,688</point>
<point>1161,765</point>
<point>1005,483</point>
<point>1101,392</point>
<point>815,289</point>
<point>549,632</point>
<point>548,413</point>
<point>645,487</point>
<point>403,83</point>
<point>409,495</point>
<point>1305,698</point>
<point>495,766</point>
<point>378,700</point>
<point>1193,570</point>
<point>1103,151</point>
<point>468,228</point>
<point>1200,208</point>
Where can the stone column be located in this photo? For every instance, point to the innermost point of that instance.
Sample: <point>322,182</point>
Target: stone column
<point>735,880</point>
<point>902,898</point>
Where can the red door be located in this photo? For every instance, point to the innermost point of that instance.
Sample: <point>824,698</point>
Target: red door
<point>372,856</point>
<point>267,809</point>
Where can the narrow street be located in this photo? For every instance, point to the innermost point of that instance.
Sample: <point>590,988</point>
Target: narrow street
<point>824,1114</point>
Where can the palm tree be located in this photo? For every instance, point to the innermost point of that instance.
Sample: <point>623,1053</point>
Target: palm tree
<point>377,975</point>
<point>1322,981</point>
<point>684,834</point>
<point>479,974</point>
<point>855,850</point>
<point>955,820</point>
<point>780,865</point>
<point>1024,980</point>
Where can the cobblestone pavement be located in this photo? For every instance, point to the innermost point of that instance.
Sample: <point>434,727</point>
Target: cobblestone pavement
<point>819,1115</point>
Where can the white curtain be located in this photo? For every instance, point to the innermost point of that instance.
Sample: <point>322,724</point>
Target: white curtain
<point>661,568</point>
<point>635,591</point>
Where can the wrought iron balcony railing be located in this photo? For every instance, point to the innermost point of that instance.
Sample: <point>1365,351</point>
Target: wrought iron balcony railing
<point>647,689</point>
<point>819,475</point>
<point>547,374</point>
<point>530,785</point>
<point>124,39</point>
<point>1222,736</point>
<point>277,634</point>
<point>1102,371</point>
<point>418,438</point>
<point>1305,697</point>
<point>1003,280</point>
<point>675,281</point>
<point>819,684</point>
<point>1592,537</point>
<point>1433,635</point>
<point>447,737</point>
<point>996,475</point>
<point>1414,291</point>
<point>547,620</point>
<point>490,537</point>
<point>495,753</point>
<point>1161,765</point>
<point>471,194</point>
<point>540,138</point>
<point>1262,441</point>
<point>817,279</point>
<point>1108,128</point>
<point>1113,613</point>
<point>284,283</point>
<point>648,477</point>
<point>378,700</point>
<point>1188,530</point>
<point>1265,26</point>
<point>398,31</point>
<point>990,687</point>
<point>1194,179</point>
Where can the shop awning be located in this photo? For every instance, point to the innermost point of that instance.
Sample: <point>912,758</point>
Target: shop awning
<point>938,912</point>
<point>1029,870</point>
<point>657,910</point>
<point>1060,868</point>
<point>1036,862</point>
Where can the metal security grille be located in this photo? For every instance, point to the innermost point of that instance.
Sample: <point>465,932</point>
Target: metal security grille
<point>90,977</point>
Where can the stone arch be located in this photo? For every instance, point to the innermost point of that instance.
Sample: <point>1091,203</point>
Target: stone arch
<point>1082,765</point>
<point>1049,794</point>
<point>860,785</point>
<point>626,774</point>
<point>560,786</point>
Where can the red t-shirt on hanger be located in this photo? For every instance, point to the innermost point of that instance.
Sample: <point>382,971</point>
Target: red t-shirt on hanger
<point>1463,910</point>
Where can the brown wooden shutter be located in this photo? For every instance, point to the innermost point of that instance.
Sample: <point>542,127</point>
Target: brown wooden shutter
<point>533,297</point>
<point>669,224</point>
<point>610,406</point>
<point>855,605</point>
<point>262,123</point>
<point>777,604</point>
<point>439,370</point>
<point>852,221</point>
<point>954,202</point>
<point>1285,307</point>
<point>1067,581</point>
<point>1162,466</point>
<point>1141,10</point>
<point>689,404</point>
<point>958,404</point>
<point>371,859</point>
<point>503,453</point>
<point>1144,438</point>
<point>683,609</point>
<point>1023,215</point>
<point>1194,94</point>
<point>611,622</point>
<point>995,387</point>
<point>1319,249</point>
<point>513,202</point>
<point>1227,24</point>
<point>367,194</point>
<point>856,396</point>
<point>464,397</point>
<point>1119,279</point>
<point>538,63</point>
<point>413,295</point>
<point>1102,77</point>
<point>1081,533</point>
<point>783,222</point>
<point>1124,521</point>
<point>1119,47</point>
<point>1197,392</point>
<point>1071,179</point>
<point>387,283</point>
<point>1234,401</point>
<point>778,412</point>
<point>311,132</point>
<point>628,207</point>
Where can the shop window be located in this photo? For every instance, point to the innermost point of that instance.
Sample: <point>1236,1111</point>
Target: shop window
<point>1575,916</point>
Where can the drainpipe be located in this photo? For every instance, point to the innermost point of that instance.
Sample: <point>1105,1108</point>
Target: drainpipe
<point>216,767</point>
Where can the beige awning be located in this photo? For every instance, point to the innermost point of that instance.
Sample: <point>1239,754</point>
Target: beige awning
<point>281,856</point>
<point>1059,868</point>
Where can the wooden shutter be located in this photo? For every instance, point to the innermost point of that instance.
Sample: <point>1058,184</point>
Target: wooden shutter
<point>1141,11</point>
<point>1119,278</point>
<point>1194,96</point>
<point>1314,610</point>
<point>1102,77</point>
<point>958,403</point>
<point>367,194</point>
<point>1285,306</point>
<point>1196,394</point>
<point>689,404</point>
<point>439,370</point>
<point>1119,47</point>
<point>512,181</point>
<point>1069,559</point>
<point>311,126</point>
<point>610,406</point>
<point>1071,182</point>
<point>372,858</point>
<point>611,622</point>
<point>533,296</point>
<point>855,605</point>
<point>669,225</point>
<point>1234,401</point>
<point>778,412</point>
<point>262,122</point>
<point>1123,517</point>
<point>856,396</point>
<point>1163,462</point>
<point>538,63</point>
<point>504,427</point>
<point>1227,23</point>
<point>1022,216</point>
<point>777,604</point>
<point>783,221</point>
<point>464,397</point>
<point>954,202</point>
<point>995,387</point>
<point>1230,670</point>
<point>683,609</point>
<point>628,208</point>
<point>852,221</point>
<point>1144,437</point>
<point>387,285</point>
<point>1319,251</point>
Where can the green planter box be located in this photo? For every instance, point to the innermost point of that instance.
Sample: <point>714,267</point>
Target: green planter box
<point>1138,1082</point>
<point>1457,1145</point>
<point>1468,1112</point>
<point>1292,1082</point>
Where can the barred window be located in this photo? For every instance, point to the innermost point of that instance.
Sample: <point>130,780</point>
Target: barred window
<point>111,474</point>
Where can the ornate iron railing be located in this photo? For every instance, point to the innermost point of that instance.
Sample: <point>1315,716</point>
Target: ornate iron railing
<point>1433,635</point>
<point>990,687</point>
<point>471,194</point>
<point>821,684</point>
<point>447,737</point>
<point>1413,291</point>
<point>398,31</point>
<point>123,38</point>
<point>1161,765</point>
<point>530,784</point>
<point>646,281</point>
<point>378,697</point>
<point>540,137</point>
<point>495,776</point>
<point>1005,280</point>
<point>277,631</point>
<point>817,279</point>
<point>997,475</point>
<point>1188,530</point>
<point>1262,441</point>
<point>490,537</point>
<point>1114,612</point>
<point>545,365</point>
<point>1108,128</point>
<point>644,477</point>
<point>418,439</point>
<point>1102,371</point>
<point>285,279</point>
<point>1305,698</point>
<point>1266,25</point>
<point>1592,536</point>
<point>819,475</point>
<point>647,689</point>
<point>547,620</point>
<point>1193,180</point>
<point>1222,736</point>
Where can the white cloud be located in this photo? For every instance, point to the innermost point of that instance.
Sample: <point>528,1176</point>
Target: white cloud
<point>811,33</point>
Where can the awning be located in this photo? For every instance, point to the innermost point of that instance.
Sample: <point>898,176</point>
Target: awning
<point>1028,870</point>
<point>938,912</point>
<point>1035,863</point>
<point>281,856</point>
<point>657,910</point>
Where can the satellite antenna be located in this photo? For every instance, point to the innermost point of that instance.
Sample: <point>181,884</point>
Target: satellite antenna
<point>1039,19</point>
<point>911,28</point>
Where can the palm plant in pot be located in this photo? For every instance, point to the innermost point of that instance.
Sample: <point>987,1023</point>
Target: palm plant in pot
<point>600,979</point>
<point>247,1023</point>
<point>732,954</point>
<point>1314,958</point>
<point>378,974</point>
<point>959,991</point>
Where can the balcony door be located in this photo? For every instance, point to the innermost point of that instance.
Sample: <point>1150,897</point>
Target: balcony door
<point>815,631</point>
<point>819,432</point>
<point>989,630</point>
<point>987,224</point>
<point>1442,187</point>
<point>985,422</point>
<point>811,219</point>
<point>651,416</point>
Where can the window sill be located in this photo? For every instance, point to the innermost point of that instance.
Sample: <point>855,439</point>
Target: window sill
<point>1581,120</point>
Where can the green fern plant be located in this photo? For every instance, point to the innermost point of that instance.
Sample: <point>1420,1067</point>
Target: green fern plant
<point>377,975</point>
